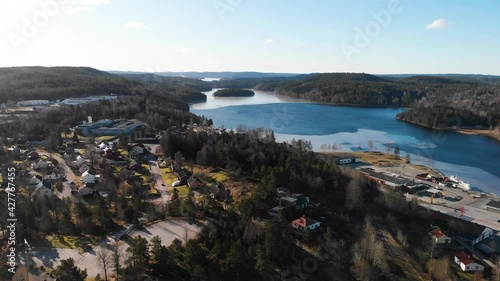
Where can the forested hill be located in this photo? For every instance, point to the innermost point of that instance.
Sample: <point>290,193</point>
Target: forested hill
<point>351,88</point>
<point>435,101</point>
<point>24,83</point>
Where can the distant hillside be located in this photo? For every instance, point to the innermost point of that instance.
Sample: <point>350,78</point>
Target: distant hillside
<point>436,98</point>
<point>464,77</point>
<point>350,88</point>
<point>213,74</point>
<point>24,83</point>
<point>263,84</point>
<point>187,82</point>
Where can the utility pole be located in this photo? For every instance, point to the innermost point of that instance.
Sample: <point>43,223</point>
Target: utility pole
<point>26,246</point>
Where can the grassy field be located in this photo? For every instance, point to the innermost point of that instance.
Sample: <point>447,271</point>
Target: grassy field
<point>221,176</point>
<point>81,243</point>
<point>385,160</point>
<point>167,176</point>
<point>183,190</point>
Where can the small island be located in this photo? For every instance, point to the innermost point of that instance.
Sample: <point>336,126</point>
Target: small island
<point>234,93</point>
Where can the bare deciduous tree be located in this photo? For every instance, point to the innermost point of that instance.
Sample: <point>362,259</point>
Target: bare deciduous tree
<point>370,144</point>
<point>105,260</point>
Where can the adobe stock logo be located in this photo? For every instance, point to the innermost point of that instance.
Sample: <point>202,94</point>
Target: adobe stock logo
<point>31,26</point>
<point>372,29</point>
<point>221,7</point>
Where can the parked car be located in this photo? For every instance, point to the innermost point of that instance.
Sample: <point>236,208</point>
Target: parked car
<point>176,183</point>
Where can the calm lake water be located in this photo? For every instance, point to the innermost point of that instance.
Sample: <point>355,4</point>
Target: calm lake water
<point>472,158</point>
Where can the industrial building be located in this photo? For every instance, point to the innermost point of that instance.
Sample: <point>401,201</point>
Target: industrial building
<point>32,102</point>
<point>80,101</point>
<point>108,127</point>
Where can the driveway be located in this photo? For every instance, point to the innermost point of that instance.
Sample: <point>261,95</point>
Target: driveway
<point>70,176</point>
<point>155,169</point>
<point>168,230</point>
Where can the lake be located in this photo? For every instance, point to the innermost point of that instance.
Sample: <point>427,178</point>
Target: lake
<point>472,158</point>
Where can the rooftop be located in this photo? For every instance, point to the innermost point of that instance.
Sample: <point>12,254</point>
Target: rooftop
<point>494,204</point>
<point>437,233</point>
<point>385,177</point>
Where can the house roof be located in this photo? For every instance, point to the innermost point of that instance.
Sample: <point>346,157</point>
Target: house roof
<point>304,221</point>
<point>494,204</point>
<point>462,255</point>
<point>192,180</point>
<point>437,233</point>
<point>465,261</point>
<point>289,199</point>
<point>89,172</point>
<point>214,188</point>
<point>184,173</point>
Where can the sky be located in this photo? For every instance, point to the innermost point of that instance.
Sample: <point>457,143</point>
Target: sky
<point>376,36</point>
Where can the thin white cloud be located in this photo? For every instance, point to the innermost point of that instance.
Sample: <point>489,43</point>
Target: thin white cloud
<point>301,44</point>
<point>186,50</point>
<point>135,25</point>
<point>438,24</point>
<point>269,41</point>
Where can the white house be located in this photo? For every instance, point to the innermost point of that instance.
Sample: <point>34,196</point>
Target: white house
<point>438,237</point>
<point>79,161</point>
<point>39,164</point>
<point>466,263</point>
<point>53,176</point>
<point>88,177</point>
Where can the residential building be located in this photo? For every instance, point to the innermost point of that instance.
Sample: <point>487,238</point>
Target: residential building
<point>184,176</point>
<point>194,183</point>
<point>218,191</point>
<point>298,201</point>
<point>466,263</point>
<point>88,177</point>
<point>53,176</point>
<point>488,242</point>
<point>305,223</point>
<point>439,237</point>
<point>39,164</point>
<point>86,190</point>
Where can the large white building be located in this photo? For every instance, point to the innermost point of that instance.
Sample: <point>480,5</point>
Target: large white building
<point>32,102</point>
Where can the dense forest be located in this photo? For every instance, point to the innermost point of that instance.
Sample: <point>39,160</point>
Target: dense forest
<point>234,93</point>
<point>55,83</point>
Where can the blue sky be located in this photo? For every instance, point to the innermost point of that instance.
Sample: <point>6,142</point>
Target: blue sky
<point>409,36</point>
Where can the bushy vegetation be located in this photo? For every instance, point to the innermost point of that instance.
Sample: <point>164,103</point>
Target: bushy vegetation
<point>234,93</point>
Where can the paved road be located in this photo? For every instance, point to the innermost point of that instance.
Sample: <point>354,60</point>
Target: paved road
<point>155,169</point>
<point>159,184</point>
<point>480,215</point>
<point>70,176</point>
<point>168,230</point>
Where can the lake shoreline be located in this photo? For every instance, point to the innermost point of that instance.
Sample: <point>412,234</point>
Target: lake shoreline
<point>478,132</point>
